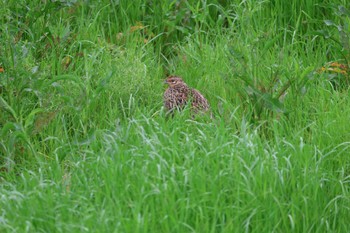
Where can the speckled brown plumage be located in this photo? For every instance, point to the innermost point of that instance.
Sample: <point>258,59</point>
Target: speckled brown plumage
<point>178,94</point>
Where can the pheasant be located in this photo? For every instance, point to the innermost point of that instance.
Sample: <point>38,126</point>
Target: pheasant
<point>178,94</point>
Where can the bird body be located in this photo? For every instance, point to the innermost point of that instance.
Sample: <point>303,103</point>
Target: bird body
<point>178,95</point>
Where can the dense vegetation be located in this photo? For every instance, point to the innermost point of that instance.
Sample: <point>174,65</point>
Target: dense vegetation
<point>85,145</point>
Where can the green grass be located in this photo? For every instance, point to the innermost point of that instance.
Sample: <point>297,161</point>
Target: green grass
<point>85,144</point>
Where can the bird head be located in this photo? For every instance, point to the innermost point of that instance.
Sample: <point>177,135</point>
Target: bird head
<point>174,81</point>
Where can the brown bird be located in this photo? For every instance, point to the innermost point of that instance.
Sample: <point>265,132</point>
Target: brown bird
<point>178,94</point>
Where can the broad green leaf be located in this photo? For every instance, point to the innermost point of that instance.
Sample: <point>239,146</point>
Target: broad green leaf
<point>8,108</point>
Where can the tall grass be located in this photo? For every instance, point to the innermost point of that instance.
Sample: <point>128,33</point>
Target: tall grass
<point>85,144</point>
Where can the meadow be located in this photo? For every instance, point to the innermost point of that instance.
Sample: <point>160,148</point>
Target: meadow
<point>86,146</point>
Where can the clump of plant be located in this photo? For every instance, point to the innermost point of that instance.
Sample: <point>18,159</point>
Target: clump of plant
<point>337,71</point>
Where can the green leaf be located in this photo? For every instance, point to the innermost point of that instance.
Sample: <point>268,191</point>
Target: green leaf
<point>271,42</point>
<point>9,126</point>
<point>29,120</point>
<point>329,22</point>
<point>323,33</point>
<point>8,108</point>
<point>344,11</point>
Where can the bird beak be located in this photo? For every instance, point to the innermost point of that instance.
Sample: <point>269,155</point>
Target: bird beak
<point>165,82</point>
